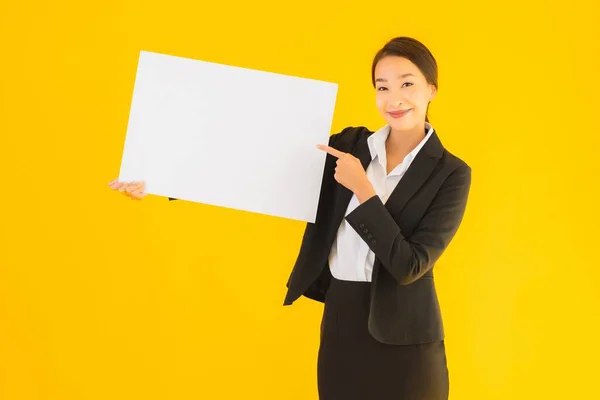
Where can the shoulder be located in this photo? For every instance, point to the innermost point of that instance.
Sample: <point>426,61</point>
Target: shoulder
<point>454,162</point>
<point>448,161</point>
<point>457,170</point>
<point>348,137</point>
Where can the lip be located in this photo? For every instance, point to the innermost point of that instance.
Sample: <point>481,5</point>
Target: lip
<point>399,114</point>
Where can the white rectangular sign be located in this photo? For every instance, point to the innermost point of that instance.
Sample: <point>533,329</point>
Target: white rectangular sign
<point>228,136</point>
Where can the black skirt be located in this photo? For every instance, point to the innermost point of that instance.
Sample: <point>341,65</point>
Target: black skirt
<point>352,365</point>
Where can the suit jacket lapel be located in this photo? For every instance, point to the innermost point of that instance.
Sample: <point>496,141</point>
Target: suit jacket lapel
<point>416,175</point>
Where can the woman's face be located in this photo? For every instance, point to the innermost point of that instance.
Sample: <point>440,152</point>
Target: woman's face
<point>400,86</point>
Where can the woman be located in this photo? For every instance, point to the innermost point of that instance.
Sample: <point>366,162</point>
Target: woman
<point>390,203</point>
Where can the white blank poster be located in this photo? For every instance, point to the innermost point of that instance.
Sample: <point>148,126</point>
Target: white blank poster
<point>228,136</point>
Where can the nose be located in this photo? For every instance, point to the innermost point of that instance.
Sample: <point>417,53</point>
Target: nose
<point>395,103</point>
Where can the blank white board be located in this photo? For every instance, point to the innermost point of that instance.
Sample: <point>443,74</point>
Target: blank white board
<point>228,136</point>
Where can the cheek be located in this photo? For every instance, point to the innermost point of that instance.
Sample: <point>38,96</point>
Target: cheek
<point>380,102</point>
<point>412,94</point>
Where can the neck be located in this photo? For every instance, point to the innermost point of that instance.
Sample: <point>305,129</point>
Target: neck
<point>403,142</point>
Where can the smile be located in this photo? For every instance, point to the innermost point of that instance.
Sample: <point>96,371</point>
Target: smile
<point>399,114</point>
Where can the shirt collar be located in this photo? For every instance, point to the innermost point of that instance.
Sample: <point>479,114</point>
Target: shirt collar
<point>376,143</point>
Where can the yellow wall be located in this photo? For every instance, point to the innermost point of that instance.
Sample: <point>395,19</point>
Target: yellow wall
<point>102,297</point>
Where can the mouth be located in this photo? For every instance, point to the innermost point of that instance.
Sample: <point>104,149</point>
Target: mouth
<point>399,113</point>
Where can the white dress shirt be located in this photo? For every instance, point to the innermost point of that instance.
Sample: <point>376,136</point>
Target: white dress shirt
<point>350,258</point>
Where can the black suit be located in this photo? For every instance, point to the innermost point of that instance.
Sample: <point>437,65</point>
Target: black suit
<point>407,235</point>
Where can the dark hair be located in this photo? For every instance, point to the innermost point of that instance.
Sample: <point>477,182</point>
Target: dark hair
<point>414,51</point>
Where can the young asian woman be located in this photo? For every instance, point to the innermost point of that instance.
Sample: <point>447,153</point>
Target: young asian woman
<point>390,203</point>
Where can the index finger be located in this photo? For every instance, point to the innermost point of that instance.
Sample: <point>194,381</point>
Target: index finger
<point>331,150</point>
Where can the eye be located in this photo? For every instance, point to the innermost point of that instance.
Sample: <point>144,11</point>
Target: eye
<point>408,83</point>
<point>381,87</point>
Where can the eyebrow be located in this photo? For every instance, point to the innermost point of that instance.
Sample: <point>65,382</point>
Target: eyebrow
<point>399,77</point>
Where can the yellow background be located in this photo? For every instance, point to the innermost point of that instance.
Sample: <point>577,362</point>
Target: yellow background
<point>102,297</point>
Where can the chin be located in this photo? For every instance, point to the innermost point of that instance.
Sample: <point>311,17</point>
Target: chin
<point>399,124</point>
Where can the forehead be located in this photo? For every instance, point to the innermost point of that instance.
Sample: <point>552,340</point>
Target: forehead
<point>394,65</point>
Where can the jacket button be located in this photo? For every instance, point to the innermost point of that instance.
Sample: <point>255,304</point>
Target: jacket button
<point>366,230</point>
<point>362,226</point>
<point>369,236</point>
<point>373,241</point>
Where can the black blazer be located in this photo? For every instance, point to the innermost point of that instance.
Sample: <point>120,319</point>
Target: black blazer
<point>407,234</point>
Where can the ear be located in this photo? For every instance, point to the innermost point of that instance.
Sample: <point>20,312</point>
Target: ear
<point>433,92</point>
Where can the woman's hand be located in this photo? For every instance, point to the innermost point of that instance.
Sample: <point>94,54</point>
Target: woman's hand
<point>350,173</point>
<point>134,190</point>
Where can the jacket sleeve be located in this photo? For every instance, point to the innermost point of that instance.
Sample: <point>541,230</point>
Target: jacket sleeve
<point>409,258</point>
<point>310,228</point>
